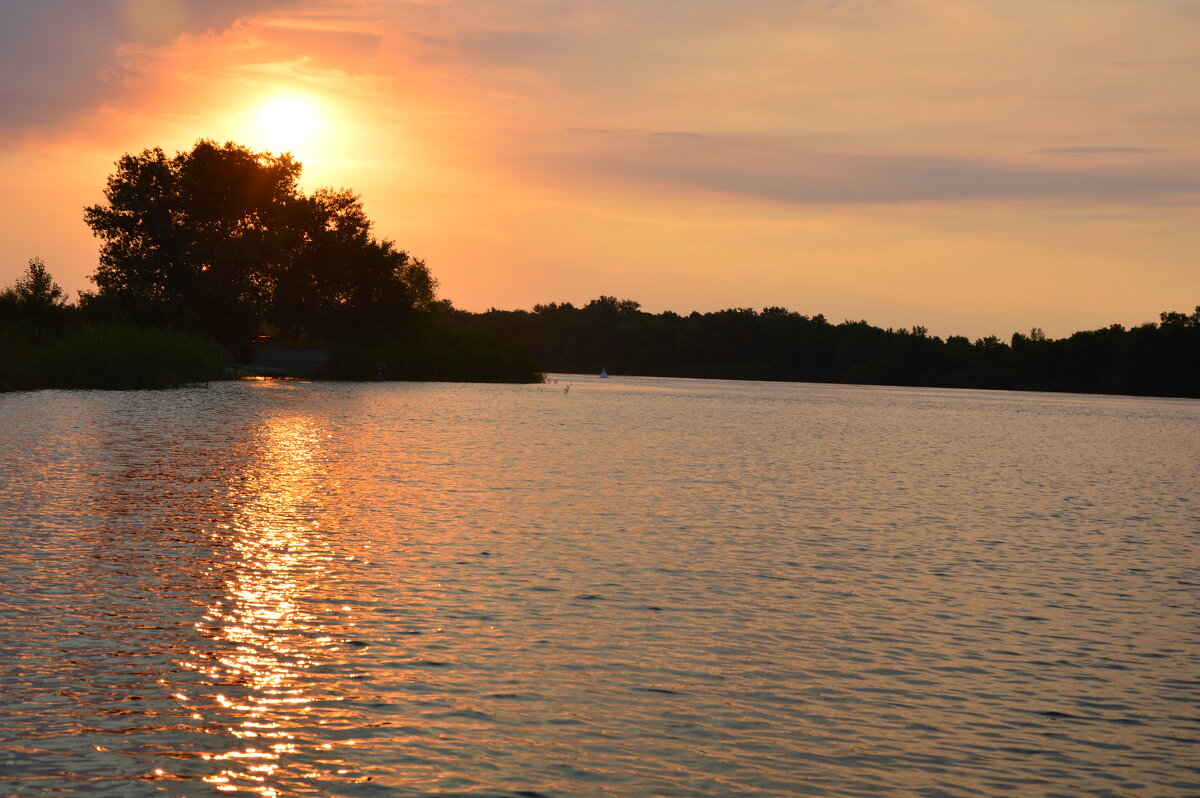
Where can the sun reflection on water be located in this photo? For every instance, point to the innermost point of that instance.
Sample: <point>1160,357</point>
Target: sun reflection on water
<point>266,643</point>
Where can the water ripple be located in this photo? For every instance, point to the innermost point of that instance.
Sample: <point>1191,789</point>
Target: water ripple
<point>642,588</point>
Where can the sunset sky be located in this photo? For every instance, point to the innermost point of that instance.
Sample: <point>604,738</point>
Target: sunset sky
<point>976,166</point>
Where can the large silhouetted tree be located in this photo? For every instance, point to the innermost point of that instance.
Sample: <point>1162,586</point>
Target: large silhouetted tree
<point>221,239</point>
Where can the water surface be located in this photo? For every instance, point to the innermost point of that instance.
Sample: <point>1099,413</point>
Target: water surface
<point>631,587</point>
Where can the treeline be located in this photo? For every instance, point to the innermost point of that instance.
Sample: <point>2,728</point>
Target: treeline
<point>45,342</point>
<point>207,250</point>
<point>48,342</point>
<point>1159,359</point>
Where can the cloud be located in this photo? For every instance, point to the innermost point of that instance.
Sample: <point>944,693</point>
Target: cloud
<point>631,132</point>
<point>794,171</point>
<point>338,48</point>
<point>600,131</point>
<point>60,57</point>
<point>1092,150</point>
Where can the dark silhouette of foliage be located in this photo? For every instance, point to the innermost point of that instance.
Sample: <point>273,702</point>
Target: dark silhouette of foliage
<point>447,354</point>
<point>35,307</point>
<point>34,296</point>
<point>118,357</point>
<point>36,292</point>
<point>222,241</point>
<point>778,344</point>
<point>47,343</point>
<point>220,244</point>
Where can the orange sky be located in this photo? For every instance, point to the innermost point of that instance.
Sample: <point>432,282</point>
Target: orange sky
<point>975,166</point>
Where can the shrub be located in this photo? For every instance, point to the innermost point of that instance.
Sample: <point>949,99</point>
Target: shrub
<point>456,355</point>
<point>110,357</point>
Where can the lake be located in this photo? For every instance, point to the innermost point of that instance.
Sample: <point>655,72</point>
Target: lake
<point>621,587</point>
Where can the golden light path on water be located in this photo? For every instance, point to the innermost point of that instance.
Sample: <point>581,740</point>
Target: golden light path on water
<point>266,640</point>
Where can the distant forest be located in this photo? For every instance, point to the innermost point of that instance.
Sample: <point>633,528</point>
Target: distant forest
<point>1159,359</point>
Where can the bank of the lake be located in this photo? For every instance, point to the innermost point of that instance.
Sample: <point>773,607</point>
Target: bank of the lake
<point>126,357</point>
<point>107,357</point>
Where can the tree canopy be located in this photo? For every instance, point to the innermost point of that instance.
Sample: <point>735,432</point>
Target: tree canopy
<point>35,291</point>
<point>221,239</point>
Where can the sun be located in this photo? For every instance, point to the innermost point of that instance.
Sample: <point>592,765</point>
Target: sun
<point>288,123</point>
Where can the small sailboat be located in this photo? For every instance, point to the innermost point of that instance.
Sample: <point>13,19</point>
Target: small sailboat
<point>604,373</point>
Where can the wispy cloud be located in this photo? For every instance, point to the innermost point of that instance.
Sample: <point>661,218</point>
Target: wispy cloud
<point>799,171</point>
<point>633,132</point>
<point>1095,150</point>
<point>601,131</point>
